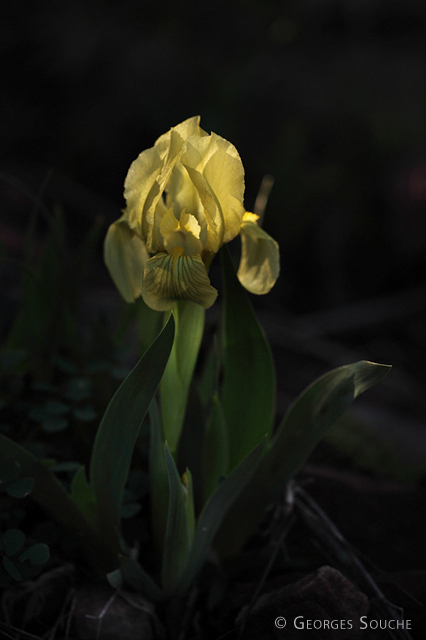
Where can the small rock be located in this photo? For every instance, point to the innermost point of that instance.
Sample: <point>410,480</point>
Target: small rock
<point>326,598</point>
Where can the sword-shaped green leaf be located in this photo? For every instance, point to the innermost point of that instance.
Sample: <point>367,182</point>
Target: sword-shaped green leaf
<point>215,449</point>
<point>158,480</point>
<point>178,537</point>
<point>213,513</point>
<point>83,496</point>
<point>248,392</point>
<point>116,437</point>
<point>312,413</point>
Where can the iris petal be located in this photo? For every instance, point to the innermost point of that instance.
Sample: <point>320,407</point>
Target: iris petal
<point>138,186</point>
<point>217,173</point>
<point>224,173</point>
<point>181,236</point>
<point>168,278</point>
<point>260,258</point>
<point>169,147</point>
<point>125,256</point>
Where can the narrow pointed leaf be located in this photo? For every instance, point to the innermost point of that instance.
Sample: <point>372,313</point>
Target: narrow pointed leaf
<point>83,496</point>
<point>189,318</point>
<point>190,510</point>
<point>215,449</point>
<point>158,480</point>
<point>248,393</point>
<point>209,379</point>
<point>118,431</point>
<point>148,323</point>
<point>213,513</point>
<point>191,445</point>
<point>312,413</point>
<point>178,536</point>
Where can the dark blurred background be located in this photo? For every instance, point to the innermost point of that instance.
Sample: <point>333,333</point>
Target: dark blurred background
<point>327,96</point>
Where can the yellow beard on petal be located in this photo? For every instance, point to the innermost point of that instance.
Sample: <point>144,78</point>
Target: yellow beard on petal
<point>178,251</point>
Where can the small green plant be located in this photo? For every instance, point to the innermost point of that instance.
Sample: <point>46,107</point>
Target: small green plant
<point>215,460</point>
<point>10,481</point>
<point>19,560</point>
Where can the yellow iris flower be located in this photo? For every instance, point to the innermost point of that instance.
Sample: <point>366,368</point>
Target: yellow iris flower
<point>184,201</point>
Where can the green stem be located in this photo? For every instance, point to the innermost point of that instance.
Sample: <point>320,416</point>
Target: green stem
<point>176,381</point>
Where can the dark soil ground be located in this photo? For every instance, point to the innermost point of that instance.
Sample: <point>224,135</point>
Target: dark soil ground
<point>351,560</point>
